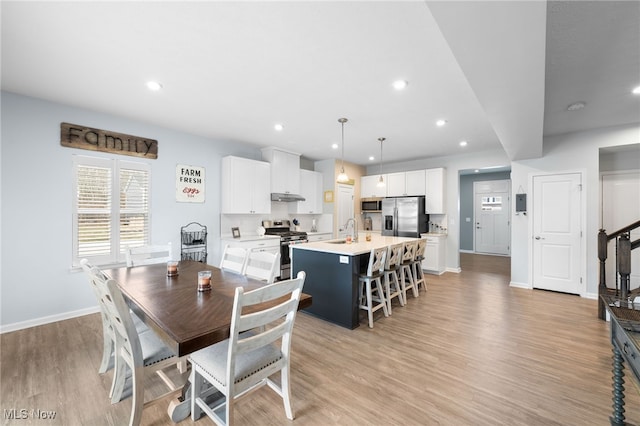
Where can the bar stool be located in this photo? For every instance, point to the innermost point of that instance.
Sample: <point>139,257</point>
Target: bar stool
<point>368,294</point>
<point>392,286</point>
<point>406,269</point>
<point>418,274</point>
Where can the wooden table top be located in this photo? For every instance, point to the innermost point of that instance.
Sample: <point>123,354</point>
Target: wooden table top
<point>186,319</point>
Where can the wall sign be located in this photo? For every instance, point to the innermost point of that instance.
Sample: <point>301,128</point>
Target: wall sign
<point>189,184</point>
<point>74,136</point>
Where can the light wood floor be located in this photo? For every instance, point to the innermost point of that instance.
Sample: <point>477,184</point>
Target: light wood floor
<point>470,351</point>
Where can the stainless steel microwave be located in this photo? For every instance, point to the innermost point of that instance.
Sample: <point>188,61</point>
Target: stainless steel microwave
<point>371,204</point>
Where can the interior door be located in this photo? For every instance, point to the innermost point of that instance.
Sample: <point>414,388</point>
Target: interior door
<point>345,208</point>
<point>557,230</point>
<point>621,207</point>
<point>492,210</point>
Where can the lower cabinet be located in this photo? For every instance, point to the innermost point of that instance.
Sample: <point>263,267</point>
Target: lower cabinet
<point>319,237</point>
<point>435,254</point>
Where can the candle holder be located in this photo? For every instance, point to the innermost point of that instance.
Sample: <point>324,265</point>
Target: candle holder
<point>172,268</point>
<point>204,280</point>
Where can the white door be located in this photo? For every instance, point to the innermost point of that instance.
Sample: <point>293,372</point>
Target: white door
<point>492,210</point>
<point>621,207</point>
<point>345,208</point>
<point>557,230</point>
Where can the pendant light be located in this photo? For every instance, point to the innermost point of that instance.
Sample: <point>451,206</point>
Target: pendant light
<point>381,180</point>
<point>342,177</point>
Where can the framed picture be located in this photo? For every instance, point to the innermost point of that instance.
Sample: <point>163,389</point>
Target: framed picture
<point>328,196</point>
<point>235,232</point>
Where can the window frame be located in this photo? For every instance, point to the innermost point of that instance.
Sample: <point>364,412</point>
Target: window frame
<point>115,165</point>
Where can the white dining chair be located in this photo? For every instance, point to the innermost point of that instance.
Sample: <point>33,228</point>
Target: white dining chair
<point>233,259</point>
<point>262,265</point>
<point>148,255</point>
<point>108,333</point>
<point>370,285</point>
<point>259,346</point>
<point>143,353</point>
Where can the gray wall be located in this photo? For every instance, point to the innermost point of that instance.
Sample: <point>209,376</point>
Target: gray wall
<point>466,204</point>
<point>37,283</point>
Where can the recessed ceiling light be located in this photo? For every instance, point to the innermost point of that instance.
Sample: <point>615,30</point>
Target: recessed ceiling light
<point>154,85</point>
<point>576,106</point>
<point>463,143</point>
<point>476,171</point>
<point>334,146</point>
<point>400,84</point>
<point>371,158</point>
<point>636,91</point>
<point>441,123</point>
<point>278,127</point>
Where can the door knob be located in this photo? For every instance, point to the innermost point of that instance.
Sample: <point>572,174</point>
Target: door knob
<point>539,238</point>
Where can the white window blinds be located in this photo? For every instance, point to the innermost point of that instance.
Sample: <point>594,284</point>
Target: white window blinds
<point>111,208</point>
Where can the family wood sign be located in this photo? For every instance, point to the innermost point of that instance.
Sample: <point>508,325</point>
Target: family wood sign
<point>74,136</point>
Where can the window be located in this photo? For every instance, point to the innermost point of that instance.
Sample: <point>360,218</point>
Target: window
<point>111,208</point>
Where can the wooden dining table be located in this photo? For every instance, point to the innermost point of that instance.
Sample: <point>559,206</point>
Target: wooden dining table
<point>183,317</point>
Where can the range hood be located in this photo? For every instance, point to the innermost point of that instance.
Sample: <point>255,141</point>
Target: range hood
<point>277,196</point>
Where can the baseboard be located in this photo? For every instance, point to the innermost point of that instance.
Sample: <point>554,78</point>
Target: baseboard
<point>467,251</point>
<point>47,320</point>
<point>590,296</point>
<point>454,270</point>
<point>519,285</point>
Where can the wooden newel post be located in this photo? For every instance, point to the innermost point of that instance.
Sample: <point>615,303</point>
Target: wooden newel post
<point>624,263</point>
<point>602,286</point>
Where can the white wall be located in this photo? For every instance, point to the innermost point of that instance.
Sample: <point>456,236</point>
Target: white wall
<point>37,284</point>
<point>570,152</point>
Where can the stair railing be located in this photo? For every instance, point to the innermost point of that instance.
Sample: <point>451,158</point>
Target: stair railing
<point>624,245</point>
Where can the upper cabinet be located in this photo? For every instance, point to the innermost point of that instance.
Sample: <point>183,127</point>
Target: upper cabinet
<point>245,186</point>
<point>436,190</point>
<point>406,183</point>
<point>311,190</point>
<point>285,170</point>
<point>369,186</point>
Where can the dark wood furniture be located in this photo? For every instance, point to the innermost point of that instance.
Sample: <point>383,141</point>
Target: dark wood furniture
<point>625,339</point>
<point>186,319</point>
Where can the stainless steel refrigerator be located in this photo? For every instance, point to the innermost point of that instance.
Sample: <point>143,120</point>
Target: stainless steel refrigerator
<point>404,217</point>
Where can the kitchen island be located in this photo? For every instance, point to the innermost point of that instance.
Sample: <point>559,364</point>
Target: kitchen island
<point>332,269</point>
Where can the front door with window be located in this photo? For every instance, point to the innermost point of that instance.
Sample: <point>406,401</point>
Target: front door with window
<point>492,225</point>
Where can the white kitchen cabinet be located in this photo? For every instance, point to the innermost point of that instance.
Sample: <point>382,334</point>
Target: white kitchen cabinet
<point>404,184</point>
<point>435,183</point>
<point>369,186</point>
<point>319,237</point>
<point>311,190</point>
<point>285,170</point>
<point>245,186</point>
<point>435,254</point>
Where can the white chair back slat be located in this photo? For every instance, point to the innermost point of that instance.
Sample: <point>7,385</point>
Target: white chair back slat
<point>148,255</point>
<point>233,259</point>
<point>262,265</point>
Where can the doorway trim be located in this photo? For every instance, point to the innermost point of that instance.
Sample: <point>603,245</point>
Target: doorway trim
<point>583,225</point>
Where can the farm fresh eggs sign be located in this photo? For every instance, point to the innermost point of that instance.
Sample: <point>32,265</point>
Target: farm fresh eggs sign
<point>189,184</point>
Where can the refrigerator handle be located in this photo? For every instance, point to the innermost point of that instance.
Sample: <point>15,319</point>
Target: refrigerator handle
<point>395,221</point>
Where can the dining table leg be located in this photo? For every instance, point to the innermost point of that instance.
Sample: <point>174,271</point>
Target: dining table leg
<point>180,408</point>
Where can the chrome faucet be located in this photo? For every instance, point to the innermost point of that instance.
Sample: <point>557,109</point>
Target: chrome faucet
<point>354,231</point>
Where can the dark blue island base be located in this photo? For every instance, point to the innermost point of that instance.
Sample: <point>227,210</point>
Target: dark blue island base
<point>332,283</point>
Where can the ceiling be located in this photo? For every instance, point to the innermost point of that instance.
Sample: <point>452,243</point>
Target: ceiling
<point>501,73</point>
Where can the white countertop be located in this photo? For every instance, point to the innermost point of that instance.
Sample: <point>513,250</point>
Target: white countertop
<point>353,249</point>
<point>434,234</point>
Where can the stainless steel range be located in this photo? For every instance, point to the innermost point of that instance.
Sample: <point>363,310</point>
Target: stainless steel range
<point>288,237</point>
